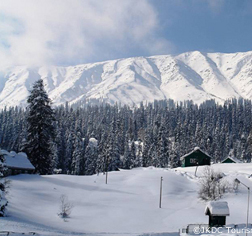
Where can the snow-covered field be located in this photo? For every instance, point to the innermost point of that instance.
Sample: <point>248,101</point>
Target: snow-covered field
<point>127,205</point>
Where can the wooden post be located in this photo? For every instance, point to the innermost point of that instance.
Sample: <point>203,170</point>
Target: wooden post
<point>160,200</point>
<point>196,169</point>
<point>247,212</point>
<point>106,170</point>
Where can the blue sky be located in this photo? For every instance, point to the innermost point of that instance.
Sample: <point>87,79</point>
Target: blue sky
<point>210,26</point>
<point>69,32</point>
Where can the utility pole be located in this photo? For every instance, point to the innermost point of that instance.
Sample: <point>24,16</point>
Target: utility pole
<point>196,169</point>
<point>248,211</point>
<point>160,200</point>
<point>239,182</point>
<point>107,177</point>
<point>106,170</point>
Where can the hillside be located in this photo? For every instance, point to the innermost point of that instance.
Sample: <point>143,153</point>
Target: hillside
<point>189,76</point>
<point>128,205</point>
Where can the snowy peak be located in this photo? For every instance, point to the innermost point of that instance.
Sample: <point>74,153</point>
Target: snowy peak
<point>213,81</point>
<point>193,76</point>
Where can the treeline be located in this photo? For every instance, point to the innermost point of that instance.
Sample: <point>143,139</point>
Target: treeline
<point>107,137</point>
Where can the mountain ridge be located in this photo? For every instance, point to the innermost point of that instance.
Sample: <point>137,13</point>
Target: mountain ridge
<point>192,75</point>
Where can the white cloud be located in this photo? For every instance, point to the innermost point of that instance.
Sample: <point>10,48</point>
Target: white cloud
<point>75,31</point>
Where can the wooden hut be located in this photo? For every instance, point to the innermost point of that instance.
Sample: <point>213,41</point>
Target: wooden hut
<point>231,160</point>
<point>16,163</point>
<point>195,158</point>
<point>217,212</point>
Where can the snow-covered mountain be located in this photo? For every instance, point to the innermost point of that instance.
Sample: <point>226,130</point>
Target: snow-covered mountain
<point>189,76</point>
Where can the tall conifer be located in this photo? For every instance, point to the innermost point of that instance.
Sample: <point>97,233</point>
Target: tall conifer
<point>40,129</point>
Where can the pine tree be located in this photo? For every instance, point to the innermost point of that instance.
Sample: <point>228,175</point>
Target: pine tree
<point>148,141</point>
<point>3,201</point>
<point>91,156</point>
<point>139,154</point>
<point>126,156</point>
<point>40,129</point>
<point>249,145</point>
<point>133,154</point>
<point>69,151</point>
<point>129,155</point>
<point>61,149</point>
<point>101,164</point>
<point>112,154</point>
<point>78,161</point>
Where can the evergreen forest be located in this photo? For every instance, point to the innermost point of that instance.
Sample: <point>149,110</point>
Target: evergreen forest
<point>98,138</point>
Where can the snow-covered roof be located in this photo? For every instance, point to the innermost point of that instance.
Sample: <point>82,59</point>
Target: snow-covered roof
<point>16,160</point>
<point>4,152</point>
<point>233,159</point>
<point>194,150</point>
<point>217,208</point>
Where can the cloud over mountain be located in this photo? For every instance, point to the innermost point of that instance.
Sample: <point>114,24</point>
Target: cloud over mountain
<point>64,32</point>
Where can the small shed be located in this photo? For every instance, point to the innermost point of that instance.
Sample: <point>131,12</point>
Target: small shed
<point>195,158</point>
<point>217,212</point>
<point>231,160</point>
<point>16,163</point>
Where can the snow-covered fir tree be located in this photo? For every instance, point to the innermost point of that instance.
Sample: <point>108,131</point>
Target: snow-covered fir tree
<point>91,155</point>
<point>78,160</point>
<point>129,155</point>
<point>3,201</point>
<point>40,129</point>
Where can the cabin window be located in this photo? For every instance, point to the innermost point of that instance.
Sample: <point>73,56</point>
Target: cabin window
<point>193,160</point>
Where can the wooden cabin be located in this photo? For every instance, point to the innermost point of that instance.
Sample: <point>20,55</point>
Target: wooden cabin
<point>195,158</point>
<point>16,163</point>
<point>231,160</point>
<point>217,212</point>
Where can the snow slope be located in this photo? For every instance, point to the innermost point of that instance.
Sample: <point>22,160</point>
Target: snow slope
<point>194,75</point>
<point>127,205</point>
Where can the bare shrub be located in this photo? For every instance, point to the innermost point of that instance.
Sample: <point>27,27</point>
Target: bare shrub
<point>235,186</point>
<point>212,185</point>
<point>65,207</point>
<point>7,185</point>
